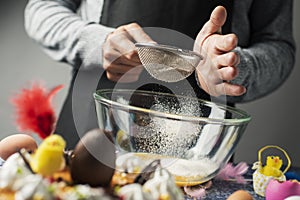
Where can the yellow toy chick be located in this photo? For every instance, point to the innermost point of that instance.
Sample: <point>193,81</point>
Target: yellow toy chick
<point>272,167</point>
<point>49,157</point>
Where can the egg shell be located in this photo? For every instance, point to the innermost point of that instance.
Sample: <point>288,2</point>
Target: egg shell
<point>277,190</point>
<point>13,143</point>
<point>240,195</point>
<point>93,159</point>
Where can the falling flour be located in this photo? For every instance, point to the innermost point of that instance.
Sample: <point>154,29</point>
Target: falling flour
<point>162,135</point>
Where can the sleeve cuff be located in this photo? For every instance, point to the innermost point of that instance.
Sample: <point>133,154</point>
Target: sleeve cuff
<point>91,41</point>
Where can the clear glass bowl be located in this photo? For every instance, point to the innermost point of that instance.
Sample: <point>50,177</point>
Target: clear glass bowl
<point>192,138</point>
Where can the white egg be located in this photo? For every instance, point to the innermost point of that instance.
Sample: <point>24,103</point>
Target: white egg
<point>13,143</point>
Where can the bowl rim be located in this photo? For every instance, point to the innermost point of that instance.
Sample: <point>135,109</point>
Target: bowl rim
<point>98,96</point>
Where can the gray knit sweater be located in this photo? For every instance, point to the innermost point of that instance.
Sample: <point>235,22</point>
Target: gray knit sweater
<point>69,30</point>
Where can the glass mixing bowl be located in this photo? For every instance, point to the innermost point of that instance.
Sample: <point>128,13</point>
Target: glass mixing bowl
<point>192,138</point>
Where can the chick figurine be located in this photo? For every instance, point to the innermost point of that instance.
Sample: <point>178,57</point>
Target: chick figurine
<point>49,157</point>
<point>272,167</point>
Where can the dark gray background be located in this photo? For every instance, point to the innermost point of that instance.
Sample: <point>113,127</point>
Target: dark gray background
<point>275,118</point>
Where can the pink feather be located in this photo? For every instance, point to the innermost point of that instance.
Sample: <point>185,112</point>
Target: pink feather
<point>233,172</point>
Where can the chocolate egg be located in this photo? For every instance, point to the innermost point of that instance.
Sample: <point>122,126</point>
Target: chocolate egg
<point>93,159</point>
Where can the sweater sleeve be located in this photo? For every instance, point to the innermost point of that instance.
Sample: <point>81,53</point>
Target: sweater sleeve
<point>63,34</point>
<point>269,58</point>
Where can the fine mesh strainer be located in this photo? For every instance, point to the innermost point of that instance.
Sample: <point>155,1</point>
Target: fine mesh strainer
<point>167,63</point>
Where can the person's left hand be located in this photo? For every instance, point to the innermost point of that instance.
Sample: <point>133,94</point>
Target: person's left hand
<point>219,66</point>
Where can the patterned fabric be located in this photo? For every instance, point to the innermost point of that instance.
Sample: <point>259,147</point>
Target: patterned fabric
<point>221,190</point>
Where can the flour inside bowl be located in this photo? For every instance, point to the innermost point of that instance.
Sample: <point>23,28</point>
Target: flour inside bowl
<point>185,172</point>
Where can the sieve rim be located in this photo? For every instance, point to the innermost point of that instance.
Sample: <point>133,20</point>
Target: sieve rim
<point>169,48</point>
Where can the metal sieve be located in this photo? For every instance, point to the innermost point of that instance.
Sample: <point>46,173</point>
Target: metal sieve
<point>167,63</point>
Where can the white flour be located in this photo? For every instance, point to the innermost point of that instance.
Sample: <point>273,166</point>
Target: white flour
<point>187,170</point>
<point>190,168</point>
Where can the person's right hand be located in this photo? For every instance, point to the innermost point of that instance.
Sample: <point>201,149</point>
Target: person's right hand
<point>120,58</point>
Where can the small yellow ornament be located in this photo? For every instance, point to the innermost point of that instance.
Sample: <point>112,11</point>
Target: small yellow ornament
<point>272,167</point>
<point>49,157</point>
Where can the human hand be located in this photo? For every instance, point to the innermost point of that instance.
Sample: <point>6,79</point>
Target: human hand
<point>120,58</point>
<point>219,66</point>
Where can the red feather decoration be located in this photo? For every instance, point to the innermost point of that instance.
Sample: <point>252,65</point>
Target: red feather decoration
<point>34,112</point>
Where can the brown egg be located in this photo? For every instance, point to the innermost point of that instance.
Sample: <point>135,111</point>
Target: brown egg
<point>93,159</point>
<point>11,144</point>
<point>240,195</point>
